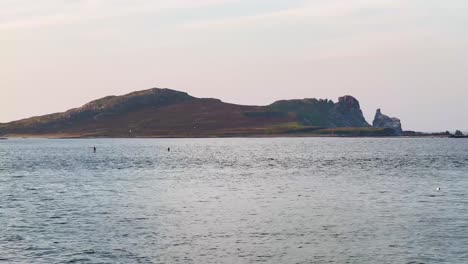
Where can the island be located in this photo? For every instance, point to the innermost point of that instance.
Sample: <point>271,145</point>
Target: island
<point>169,113</point>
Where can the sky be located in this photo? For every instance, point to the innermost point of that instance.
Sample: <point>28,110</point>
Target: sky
<point>408,57</point>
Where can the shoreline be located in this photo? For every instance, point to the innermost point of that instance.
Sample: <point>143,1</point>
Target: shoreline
<point>8,137</point>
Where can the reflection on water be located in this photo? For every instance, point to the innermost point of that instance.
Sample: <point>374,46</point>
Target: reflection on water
<point>297,200</point>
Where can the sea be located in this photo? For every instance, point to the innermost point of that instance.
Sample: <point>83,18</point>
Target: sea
<point>243,200</point>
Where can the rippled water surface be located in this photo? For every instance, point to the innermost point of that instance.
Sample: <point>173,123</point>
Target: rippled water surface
<point>297,200</point>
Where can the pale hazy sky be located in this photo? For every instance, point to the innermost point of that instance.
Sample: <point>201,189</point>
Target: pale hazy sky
<point>408,57</point>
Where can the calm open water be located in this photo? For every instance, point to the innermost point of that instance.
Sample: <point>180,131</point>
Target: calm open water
<point>291,200</point>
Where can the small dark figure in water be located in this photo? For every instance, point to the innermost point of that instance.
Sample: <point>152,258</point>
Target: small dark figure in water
<point>168,149</point>
<point>94,149</point>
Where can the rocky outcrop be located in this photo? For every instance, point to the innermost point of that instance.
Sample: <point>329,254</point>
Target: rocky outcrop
<point>350,113</point>
<point>458,134</point>
<point>383,121</point>
<point>323,112</point>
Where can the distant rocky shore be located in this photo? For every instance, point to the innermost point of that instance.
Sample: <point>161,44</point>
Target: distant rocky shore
<point>168,113</point>
<point>458,134</point>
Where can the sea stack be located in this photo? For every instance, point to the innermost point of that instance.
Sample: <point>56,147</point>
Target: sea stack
<point>383,121</point>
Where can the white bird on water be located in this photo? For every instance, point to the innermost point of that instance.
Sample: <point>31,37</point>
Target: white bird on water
<point>438,189</point>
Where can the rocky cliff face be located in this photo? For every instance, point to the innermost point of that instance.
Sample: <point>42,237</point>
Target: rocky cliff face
<point>350,113</point>
<point>323,112</point>
<point>383,121</point>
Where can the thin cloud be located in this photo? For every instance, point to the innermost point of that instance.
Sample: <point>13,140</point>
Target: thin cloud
<point>312,10</point>
<point>16,14</point>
